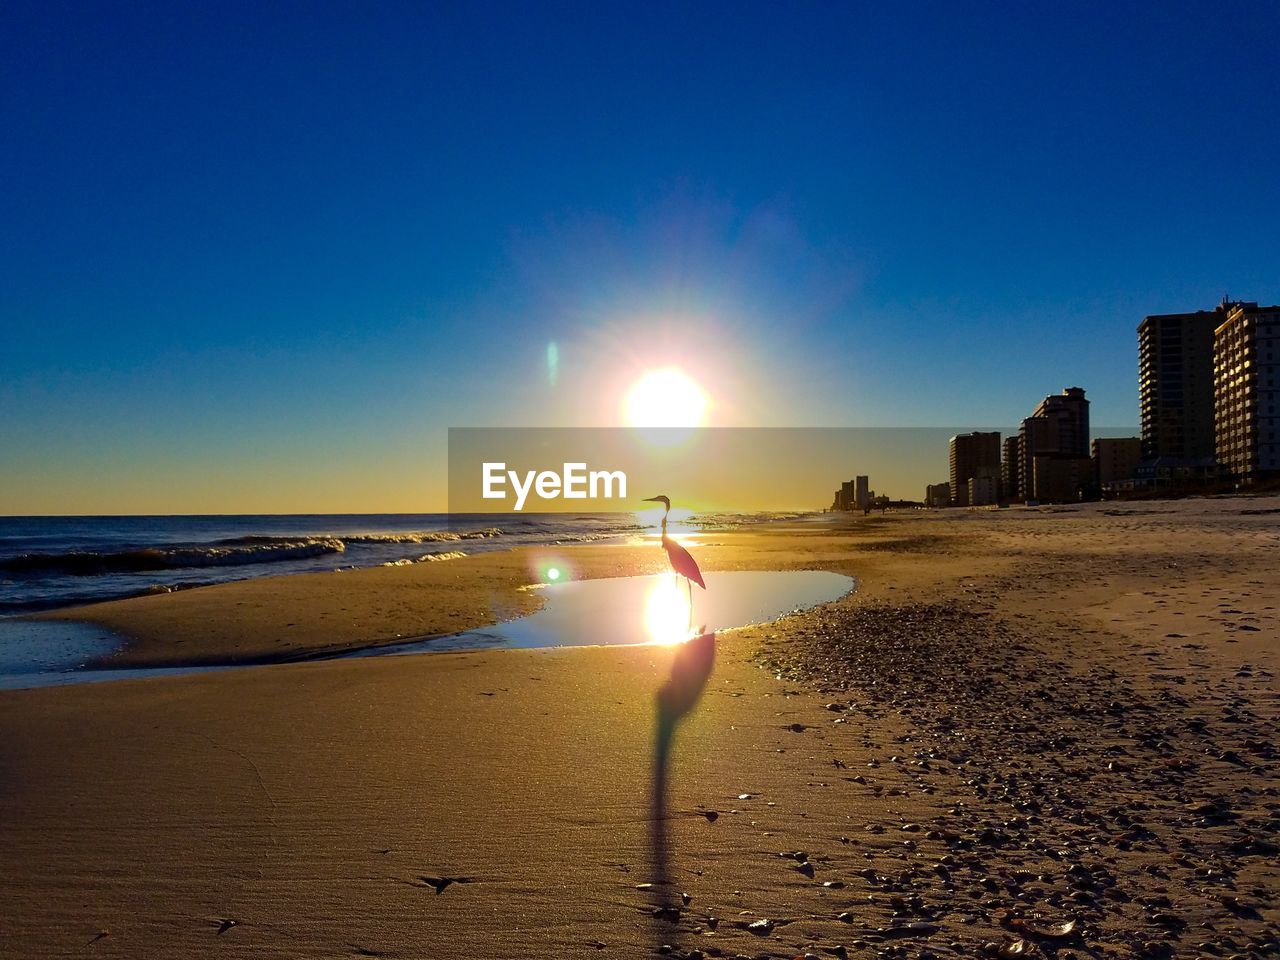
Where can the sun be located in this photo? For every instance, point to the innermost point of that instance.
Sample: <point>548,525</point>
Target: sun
<point>666,398</point>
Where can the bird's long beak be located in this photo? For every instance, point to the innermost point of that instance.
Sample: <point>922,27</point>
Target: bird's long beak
<point>652,499</point>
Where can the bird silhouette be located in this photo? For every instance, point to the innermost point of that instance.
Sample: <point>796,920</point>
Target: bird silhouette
<point>681,560</point>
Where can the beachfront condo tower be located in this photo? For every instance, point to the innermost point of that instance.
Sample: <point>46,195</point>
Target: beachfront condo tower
<point>1115,461</point>
<point>1175,387</point>
<point>972,455</point>
<point>1011,469</point>
<point>937,495</point>
<point>862,492</point>
<point>1247,392</point>
<point>1054,446</point>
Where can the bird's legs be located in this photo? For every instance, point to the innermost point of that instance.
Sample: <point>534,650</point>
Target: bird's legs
<point>689,583</point>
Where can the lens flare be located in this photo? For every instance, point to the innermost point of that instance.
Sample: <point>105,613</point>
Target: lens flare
<point>553,363</point>
<point>549,568</point>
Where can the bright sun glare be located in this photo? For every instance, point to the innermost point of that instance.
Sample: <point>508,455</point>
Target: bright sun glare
<point>666,398</point>
<point>666,610</point>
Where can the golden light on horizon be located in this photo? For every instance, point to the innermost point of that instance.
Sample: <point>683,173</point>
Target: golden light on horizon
<point>666,610</point>
<point>651,519</point>
<point>668,397</point>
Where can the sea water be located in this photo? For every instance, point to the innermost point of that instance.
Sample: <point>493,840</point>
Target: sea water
<point>624,611</point>
<point>49,562</point>
<point>608,612</point>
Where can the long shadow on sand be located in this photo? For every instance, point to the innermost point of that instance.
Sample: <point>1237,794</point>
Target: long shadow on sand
<point>689,673</point>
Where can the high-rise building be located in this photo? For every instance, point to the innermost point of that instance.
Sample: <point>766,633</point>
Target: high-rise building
<point>937,495</point>
<point>982,491</point>
<point>844,496</point>
<point>1058,427</point>
<point>1067,416</point>
<point>1011,468</point>
<point>862,493</point>
<point>1115,458</point>
<point>1060,478</point>
<point>972,455</point>
<point>1175,385</point>
<point>1247,391</point>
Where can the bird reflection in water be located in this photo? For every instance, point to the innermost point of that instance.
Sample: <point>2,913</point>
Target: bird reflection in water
<point>690,668</point>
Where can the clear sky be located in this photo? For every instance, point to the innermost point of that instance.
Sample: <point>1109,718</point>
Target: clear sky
<point>259,257</point>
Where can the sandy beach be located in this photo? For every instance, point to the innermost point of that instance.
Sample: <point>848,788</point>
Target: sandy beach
<point>1028,732</point>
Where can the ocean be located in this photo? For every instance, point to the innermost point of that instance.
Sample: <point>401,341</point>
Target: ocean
<point>49,562</point>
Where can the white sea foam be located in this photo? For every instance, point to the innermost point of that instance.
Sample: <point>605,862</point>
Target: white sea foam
<point>92,563</point>
<point>423,536</point>
<point>425,558</point>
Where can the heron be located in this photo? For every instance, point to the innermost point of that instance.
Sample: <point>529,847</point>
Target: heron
<point>681,560</point>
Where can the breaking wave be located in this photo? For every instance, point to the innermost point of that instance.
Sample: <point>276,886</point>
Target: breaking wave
<point>229,552</point>
<point>90,563</point>
<point>413,536</point>
<point>430,536</point>
<point>425,558</point>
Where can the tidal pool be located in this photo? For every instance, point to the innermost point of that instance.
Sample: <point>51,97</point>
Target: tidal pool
<point>618,611</point>
<point>638,610</point>
<point>42,652</point>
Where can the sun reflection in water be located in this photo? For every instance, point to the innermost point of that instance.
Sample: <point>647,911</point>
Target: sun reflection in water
<point>666,610</point>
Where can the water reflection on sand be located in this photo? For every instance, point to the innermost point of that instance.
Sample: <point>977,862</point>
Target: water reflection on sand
<point>654,609</point>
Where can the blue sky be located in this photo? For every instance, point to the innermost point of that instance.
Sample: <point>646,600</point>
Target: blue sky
<point>262,256</point>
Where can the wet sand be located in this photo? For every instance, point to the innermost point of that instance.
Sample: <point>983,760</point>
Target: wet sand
<point>1020,720</point>
<point>302,617</point>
